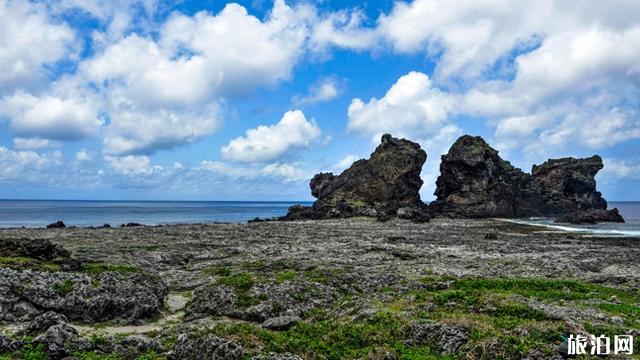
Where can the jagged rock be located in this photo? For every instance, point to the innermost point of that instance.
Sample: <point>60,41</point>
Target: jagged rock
<point>449,339</point>
<point>8,345</point>
<point>204,348</point>
<point>133,346</point>
<point>476,182</point>
<point>62,340</point>
<point>40,249</point>
<point>281,322</point>
<point>90,298</point>
<point>42,322</point>
<point>385,185</point>
<point>592,217</point>
<point>56,225</point>
<point>272,301</point>
<point>131,224</point>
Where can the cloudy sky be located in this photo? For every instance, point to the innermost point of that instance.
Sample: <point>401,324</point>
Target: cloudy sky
<point>203,100</point>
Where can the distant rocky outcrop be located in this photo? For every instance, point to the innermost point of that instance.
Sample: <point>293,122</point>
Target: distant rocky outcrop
<point>475,182</point>
<point>383,186</point>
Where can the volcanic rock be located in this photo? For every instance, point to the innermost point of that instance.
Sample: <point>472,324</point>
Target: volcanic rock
<point>385,185</point>
<point>56,225</point>
<point>204,348</point>
<point>592,217</point>
<point>475,182</point>
<point>40,249</point>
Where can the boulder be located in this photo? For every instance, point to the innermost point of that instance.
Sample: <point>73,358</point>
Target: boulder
<point>40,249</point>
<point>448,338</point>
<point>62,340</point>
<point>56,225</point>
<point>281,322</point>
<point>591,217</point>
<point>209,347</point>
<point>376,187</point>
<point>475,182</point>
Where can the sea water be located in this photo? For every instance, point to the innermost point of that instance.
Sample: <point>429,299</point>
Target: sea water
<point>39,213</point>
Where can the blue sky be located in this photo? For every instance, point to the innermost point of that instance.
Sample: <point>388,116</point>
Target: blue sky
<point>204,100</point>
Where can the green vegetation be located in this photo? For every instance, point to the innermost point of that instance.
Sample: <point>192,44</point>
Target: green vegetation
<point>285,275</point>
<point>23,263</point>
<point>242,283</point>
<point>495,312</point>
<point>99,268</point>
<point>63,288</point>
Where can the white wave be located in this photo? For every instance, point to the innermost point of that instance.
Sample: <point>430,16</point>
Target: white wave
<point>568,228</point>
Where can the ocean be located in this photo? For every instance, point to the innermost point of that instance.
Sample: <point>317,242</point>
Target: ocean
<point>39,213</point>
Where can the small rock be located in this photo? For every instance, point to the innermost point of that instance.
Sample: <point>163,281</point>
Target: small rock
<point>56,225</point>
<point>131,224</point>
<point>281,322</point>
<point>448,338</point>
<point>205,348</point>
<point>62,340</point>
<point>491,236</point>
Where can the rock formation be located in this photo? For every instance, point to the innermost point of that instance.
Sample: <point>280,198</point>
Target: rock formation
<point>385,185</point>
<point>476,182</point>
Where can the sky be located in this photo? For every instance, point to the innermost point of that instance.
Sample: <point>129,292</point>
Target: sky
<point>208,100</point>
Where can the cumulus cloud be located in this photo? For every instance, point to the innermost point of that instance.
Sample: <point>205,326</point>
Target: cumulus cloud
<point>267,143</point>
<point>132,165</point>
<point>19,165</point>
<point>29,39</point>
<point>288,172</point>
<point>34,143</point>
<point>325,89</point>
<point>51,116</point>
<point>411,107</point>
<point>138,132</point>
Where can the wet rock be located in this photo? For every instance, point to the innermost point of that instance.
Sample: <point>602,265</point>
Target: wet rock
<point>449,339</point>
<point>62,340</point>
<point>475,182</point>
<point>40,249</point>
<point>281,322</point>
<point>56,225</point>
<point>276,356</point>
<point>383,186</point>
<point>108,296</point>
<point>592,217</point>
<point>204,348</point>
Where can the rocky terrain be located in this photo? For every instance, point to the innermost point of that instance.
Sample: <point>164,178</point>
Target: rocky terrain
<point>331,289</point>
<point>383,186</point>
<point>475,182</point>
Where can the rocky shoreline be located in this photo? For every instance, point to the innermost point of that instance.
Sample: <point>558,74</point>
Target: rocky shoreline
<point>346,288</point>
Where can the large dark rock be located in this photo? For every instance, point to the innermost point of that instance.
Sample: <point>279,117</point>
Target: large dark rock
<point>476,182</point>
<point>126,298</point>
<point>385,185</point>
<point>591,217</point>
<point>40,249</point>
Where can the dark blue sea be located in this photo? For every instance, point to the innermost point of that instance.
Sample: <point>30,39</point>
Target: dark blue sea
<point>39,213</point>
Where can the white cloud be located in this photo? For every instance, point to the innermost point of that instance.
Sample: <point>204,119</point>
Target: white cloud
<point>288,172</point>
<point>138,132</point>
<point>617,169</point>
<point>132,165</point>
<point>83,155</point>
<point>343,29</point>
<point>29,39</point>
<point>267,143</point>
<point>21,165</point>
<point>50,116</point>
<point>325,89</point>
<point>412,107</point>
<point>34,143</point>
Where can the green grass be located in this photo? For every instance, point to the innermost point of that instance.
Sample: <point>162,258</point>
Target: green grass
<point>285,275</point>
<point>63,288</point>
<point>99,268</point>
<point>242,283</point>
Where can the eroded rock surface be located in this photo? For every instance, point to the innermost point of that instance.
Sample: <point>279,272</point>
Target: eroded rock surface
<point>385,185</point>
<point>189,347</point>
<point>475,182</point>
